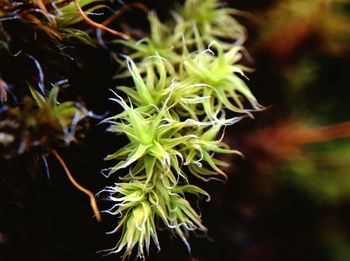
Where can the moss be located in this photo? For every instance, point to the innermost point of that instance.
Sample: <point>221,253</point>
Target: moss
<point>185,79</point>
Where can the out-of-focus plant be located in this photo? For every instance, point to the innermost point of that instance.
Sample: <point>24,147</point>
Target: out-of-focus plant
<point>57,18</point>
<point>325,20</point>
<point>300,34</point>
<point>39,123</point>
<point>315,159</point>
<point>321,166</point>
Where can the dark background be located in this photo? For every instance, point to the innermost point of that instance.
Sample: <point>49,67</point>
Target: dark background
<point>274,205</point>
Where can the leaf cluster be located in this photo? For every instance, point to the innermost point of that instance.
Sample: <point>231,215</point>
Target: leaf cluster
<point>54,17</point>
<point>185,80</point>
<point>40,123</point>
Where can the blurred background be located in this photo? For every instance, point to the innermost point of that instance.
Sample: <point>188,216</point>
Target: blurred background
<point>288,199</point>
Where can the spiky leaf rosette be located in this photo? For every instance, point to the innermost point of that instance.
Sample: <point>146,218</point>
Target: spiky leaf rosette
<point>194,26</point>
<point>157,130</point>
<point>139,207</point>
<point>212,20</point>
<point>162,41</point>
<point>159,82</point>
<point>203,86</point>
<point>221,79</point>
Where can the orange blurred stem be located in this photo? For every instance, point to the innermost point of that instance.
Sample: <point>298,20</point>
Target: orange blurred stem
<point>93,203</point>
<point>322,134</point>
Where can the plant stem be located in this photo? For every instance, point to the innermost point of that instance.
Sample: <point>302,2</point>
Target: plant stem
<point>93,203</point>
<point>97,25</point>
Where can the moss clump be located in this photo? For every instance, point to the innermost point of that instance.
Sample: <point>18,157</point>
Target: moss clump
<point>186,77</point>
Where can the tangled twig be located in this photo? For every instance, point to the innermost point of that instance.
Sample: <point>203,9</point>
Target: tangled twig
<point>98,25</point>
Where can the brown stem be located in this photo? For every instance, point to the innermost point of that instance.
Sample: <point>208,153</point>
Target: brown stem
<point>123,9</point>
<point>97,25</point>
<point>78,186</point>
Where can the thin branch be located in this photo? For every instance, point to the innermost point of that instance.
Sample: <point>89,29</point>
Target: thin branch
<point>78,186</point>
<point>97,25</point>
<point>125,8</point>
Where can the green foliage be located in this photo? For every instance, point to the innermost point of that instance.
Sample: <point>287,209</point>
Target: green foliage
<point>194,26</point>
<point>323,172</point>
<point>222,86</point>
<point>56,22</point>
<point>172,118</point>
<point>40,123</point>
<point>158,42</point>
<point>68,14</point>
<point>140,205</point>
<point>212,20</point>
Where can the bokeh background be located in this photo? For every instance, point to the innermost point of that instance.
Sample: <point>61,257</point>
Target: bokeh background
<point>287,199</point>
